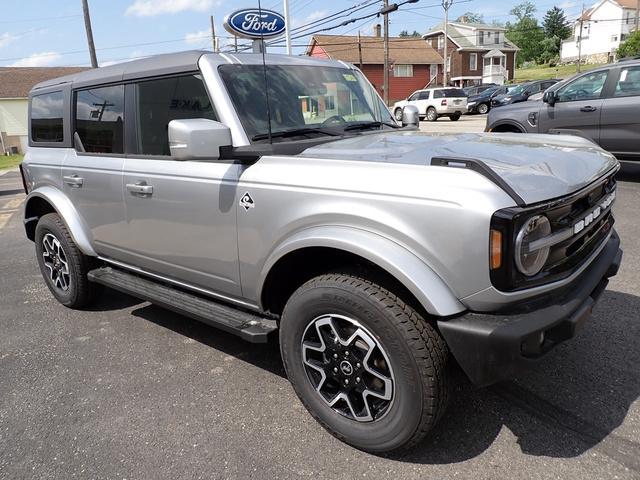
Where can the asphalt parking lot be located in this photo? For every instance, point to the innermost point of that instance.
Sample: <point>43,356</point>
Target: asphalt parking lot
<point>467,123</point>
<point>129,390</point>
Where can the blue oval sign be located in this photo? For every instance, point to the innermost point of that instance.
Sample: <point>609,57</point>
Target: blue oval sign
<point>255,23</point>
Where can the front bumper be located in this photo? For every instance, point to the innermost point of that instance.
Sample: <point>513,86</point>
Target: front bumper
<point>495,347</point>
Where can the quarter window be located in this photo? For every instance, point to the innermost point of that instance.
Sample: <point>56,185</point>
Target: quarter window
<point>160,101</point>
<point>587,87</point>
<point>47,113</point>
<point>100,119</point>
<point>403,71</point>
<point>629,82</point>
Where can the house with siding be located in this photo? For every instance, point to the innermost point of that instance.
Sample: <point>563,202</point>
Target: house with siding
<point>477,53</point>
<point>15,84</point>
<point>413,64</point>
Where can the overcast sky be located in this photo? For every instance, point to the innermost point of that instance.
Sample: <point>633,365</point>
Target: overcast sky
<point>51,32</point>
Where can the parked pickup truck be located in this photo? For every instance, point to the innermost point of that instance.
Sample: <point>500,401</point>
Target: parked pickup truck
<point>283,198</point>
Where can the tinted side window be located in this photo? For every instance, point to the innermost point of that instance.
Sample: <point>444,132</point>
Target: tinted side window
<point>163,100</point>
<point>414,97</point>
<point>47,113</point>
<point>100,119</point>
<point>628,83</point>
<point>587,87</point>
<point>424,96</point>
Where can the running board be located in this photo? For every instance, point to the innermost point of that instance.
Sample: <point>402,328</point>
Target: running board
<point>249,326</point>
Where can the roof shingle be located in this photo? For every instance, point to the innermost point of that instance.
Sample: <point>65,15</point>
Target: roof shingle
<point>16,82</point>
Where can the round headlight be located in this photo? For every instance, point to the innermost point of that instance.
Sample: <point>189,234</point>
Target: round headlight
<point>528,261</point>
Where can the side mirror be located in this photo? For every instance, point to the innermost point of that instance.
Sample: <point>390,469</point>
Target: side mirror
<point>197,138</point>
<point>549,97</point>
<point>410,116</point>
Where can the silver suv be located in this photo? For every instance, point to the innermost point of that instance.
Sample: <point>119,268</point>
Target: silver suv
<point>283,197</point>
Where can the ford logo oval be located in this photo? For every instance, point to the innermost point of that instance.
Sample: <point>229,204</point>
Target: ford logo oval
<point>255,23</point>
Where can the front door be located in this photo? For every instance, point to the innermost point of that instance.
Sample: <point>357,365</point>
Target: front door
<point>181,215</point>
<point>578,107</point>
<point>92,173</point>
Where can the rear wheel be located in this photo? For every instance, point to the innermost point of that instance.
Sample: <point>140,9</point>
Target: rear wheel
<point>455,117</point>
<point>432,115</point>
<point>62,264</point>
<point>398,114</point>
<point>483,108</point>
<point>366,365</point>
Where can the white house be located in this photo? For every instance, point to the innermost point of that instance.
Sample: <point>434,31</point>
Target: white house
<point>604,26</point>
<point>15,83</point>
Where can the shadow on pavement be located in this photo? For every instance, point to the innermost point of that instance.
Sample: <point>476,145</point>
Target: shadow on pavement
<point>629,171</point>
<point>571,402</point>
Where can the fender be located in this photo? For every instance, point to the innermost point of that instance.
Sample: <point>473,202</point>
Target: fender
<point>425,284</point>
<point>512,123</point>
<point>70,216</point>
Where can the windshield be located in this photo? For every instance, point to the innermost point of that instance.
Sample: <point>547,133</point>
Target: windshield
<point>517,90</point>
<point>308,99</point>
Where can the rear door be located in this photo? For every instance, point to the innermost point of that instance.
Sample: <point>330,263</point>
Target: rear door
<point>92,172</point>
<point>181,215</point>
<point>578,107</point>
<point>620,119</point>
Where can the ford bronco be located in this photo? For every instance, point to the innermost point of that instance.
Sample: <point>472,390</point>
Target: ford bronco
<point>278,194</point>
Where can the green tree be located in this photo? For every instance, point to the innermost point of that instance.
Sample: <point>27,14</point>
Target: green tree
<point>471,17</point>
<point>523,10</point>
<point>555,24</point>
<point>525,32</point>
<point>548,49</point>
<point>405,33</point>
<point>630,47</point>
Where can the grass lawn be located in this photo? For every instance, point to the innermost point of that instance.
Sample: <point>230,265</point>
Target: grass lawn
<point>542,72</point>
<point>10,161</point>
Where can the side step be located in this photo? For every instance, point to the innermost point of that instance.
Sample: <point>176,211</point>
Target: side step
<point>251,327</point>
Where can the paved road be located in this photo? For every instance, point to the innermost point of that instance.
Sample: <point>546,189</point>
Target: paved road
<point>467,123</point>
<point>128,390</point>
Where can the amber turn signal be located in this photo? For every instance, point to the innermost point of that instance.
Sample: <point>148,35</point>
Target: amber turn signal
<point>495,249</point>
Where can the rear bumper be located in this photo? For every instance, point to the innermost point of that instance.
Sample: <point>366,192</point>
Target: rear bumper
<point>495,347</point>
<point>452,110</point>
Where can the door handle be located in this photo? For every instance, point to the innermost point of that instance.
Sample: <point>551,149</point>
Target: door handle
<point>73,180</point>
<point>588,109</point>
<point>140,188</point>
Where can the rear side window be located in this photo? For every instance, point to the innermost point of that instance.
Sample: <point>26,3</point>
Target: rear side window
<point>100,119</point>
<point>628,82</point>
<point>423,96</point>
<point>160,101</point>
<point>449,93</point>
<point>47,113</point>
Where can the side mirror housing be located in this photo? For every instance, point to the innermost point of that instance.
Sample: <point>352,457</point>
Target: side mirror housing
<point>197,138</point>
<point>410,116</point>
<point>549,97</point>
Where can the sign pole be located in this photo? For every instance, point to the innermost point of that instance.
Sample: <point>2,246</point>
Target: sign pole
<point>287,31</point>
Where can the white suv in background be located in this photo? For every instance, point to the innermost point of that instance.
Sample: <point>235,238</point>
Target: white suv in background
<point>433,103</point>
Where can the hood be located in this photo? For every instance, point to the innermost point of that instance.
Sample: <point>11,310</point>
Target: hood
<point>537,167</point>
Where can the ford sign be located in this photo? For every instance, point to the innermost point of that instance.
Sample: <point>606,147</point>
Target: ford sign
<point>255,23</point>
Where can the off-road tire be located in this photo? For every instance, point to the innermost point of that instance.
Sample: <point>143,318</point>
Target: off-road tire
<point>432,114</point>
<point>80,290</point>
<point>416,351</point>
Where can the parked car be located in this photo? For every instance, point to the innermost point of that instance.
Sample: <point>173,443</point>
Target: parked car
<point>434,103</point>
<point>376,252</point>
<point>522,93</point>
<point>477,89</point>
<point>601,105</point>
<point>481,103</point>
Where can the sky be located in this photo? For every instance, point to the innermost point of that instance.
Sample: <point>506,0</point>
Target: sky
<point>51,32</point>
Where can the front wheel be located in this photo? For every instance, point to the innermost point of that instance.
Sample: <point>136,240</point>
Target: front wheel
<point>398,114</point>
<point>366,365</point>
<point>483,108</point>
<point>432,115</point>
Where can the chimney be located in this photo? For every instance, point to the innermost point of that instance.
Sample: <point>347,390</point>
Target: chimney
<point>377,29</point>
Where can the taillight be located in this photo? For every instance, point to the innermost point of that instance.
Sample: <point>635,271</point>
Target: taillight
<point>24,180</point>
<point>444,102</point>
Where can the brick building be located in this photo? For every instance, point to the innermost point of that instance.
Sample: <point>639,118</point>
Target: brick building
<point>413,63</point>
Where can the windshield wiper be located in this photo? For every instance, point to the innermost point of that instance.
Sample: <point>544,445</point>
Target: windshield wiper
<point>293,133</point>
<point>365,125</point>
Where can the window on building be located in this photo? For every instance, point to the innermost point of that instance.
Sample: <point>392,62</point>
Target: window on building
<point>473,61</point>
<point>47,113</point>
<point>433,71</point>
<point>166,99</point>
<point>403,70</point>
<point>480,37</point>
<point>440,42</point>
<point>488,38</point>
<point>614,38</point>
<point>448,63</point>
<point>496,38</point>
<point>100,119</point>
<point>330,102</point>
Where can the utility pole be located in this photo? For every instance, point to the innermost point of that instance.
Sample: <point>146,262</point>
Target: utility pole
<point>287,31</point>
<point>235,43</point>
<point>359,50</point>
<point>446,4</point>
<point>580,40</point>
<point>87,26</point>
<point>386,52</point>
<point>213,34</point>
<point>637,13</point>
